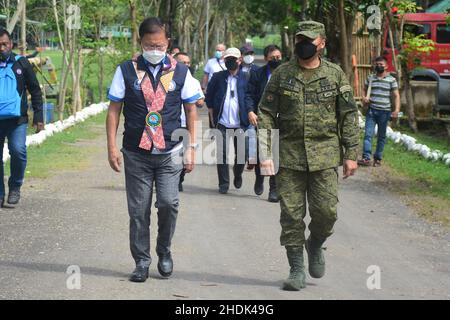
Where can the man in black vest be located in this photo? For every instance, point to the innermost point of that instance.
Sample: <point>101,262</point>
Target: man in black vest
<point>151,91</point>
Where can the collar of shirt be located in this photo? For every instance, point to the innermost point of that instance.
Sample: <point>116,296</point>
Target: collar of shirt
<point>165,64</point>
<point>231,76</point>
<point>4,64</point>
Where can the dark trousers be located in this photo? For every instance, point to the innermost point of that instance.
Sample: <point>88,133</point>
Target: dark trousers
<point>260,179</point>
<point>16,135</point>
<point>222,155</point>
<point>141,171</point>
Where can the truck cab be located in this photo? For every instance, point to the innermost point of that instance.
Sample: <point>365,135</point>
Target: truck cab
<point>434,66</point>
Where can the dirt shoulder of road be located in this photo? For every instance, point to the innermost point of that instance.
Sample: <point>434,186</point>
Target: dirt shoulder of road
<point>414,194</point>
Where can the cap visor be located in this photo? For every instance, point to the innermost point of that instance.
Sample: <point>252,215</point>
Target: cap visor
<point>308,34</point>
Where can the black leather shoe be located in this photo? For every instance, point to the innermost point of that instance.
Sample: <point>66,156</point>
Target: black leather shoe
<point>223,190</point>
<point>237,182</point>
<point>14,196</point>
<point>140,274</point>
<point>259,186</point>
<point>273,196</point>
<point>165,265</point>
<point>2,203</point>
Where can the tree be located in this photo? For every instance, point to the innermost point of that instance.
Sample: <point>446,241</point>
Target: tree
<point>412,49</point>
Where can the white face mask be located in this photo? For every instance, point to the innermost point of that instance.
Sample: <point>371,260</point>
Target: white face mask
<point>154,56</point>
<point>249,59</point>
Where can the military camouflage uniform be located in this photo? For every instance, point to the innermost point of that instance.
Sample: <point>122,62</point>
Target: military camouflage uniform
<point>317,120</point>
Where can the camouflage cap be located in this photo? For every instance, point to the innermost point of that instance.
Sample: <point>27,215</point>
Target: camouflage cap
<point>310,29</point>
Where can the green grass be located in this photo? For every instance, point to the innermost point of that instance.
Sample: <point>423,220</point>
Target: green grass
<point>432,178</point>
<point>89,75</point>
<point>60,151</point>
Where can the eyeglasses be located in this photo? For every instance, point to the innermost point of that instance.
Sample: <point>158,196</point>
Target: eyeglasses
<point>155,47</point>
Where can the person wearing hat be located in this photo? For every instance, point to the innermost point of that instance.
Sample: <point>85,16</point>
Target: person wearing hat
<point>309,100</point>
<point>248,58</point>
<point>225,98</point>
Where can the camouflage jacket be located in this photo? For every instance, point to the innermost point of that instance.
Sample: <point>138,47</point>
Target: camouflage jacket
<point>317,118</point>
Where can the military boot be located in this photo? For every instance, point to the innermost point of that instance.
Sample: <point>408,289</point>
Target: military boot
<point>297,276</point>
<point>316,259</point>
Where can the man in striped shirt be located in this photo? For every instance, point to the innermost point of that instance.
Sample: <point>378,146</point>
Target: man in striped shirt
<point>378,91</point>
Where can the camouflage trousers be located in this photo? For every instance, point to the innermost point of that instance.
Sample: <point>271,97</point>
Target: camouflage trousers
<point>295,187</point>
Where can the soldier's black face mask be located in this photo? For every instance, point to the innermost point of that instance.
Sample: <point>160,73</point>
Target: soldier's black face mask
<point>305,49</point>
<point>273,64</point>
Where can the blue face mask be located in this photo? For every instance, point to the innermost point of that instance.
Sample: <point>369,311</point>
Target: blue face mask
<point>218,54</point>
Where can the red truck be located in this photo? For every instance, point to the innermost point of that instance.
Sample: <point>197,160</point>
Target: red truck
<point>436,65</point>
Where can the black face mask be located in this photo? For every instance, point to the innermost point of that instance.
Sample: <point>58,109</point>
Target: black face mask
<point>231,64</point>
<point>192,70</point>
<point>4,56</point>
<point>305,49</point>
<point>273,64</point>
<point>379,69</point>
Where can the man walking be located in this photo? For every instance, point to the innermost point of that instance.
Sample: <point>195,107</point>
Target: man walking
<point>151,90</point>
<point>255,88</point>
<point>183,57</point>
<point>382,87</point>
<point>215,64</point>
<point>310,101</point>
<point>248,58</point>
<point>225,98</point>
<point>16,78</point>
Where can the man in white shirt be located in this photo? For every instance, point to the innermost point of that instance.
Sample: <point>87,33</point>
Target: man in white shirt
<point>149,92</point>
<point>225,99</point>
<point>214,65</point>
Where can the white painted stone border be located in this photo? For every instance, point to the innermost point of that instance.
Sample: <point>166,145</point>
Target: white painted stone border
<point>410,144</point>
<point>58,126</point>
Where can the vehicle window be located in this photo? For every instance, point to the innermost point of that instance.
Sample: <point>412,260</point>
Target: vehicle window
<point>418,29</point>
<point>443,33</point>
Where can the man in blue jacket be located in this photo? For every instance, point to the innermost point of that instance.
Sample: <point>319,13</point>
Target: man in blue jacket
<point>225,97</point>
<point>255,88</point>
<point>16,73</point>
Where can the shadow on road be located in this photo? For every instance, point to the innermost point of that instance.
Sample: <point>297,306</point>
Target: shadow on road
<point>61,268</point>
<point>196,190</point>
<point>109,188</point>
<point>211,278</point>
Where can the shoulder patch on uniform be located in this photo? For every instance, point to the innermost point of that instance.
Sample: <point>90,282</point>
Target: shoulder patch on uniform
<point>345,88</point>
<point>269,98</point>
<point>346,96</point>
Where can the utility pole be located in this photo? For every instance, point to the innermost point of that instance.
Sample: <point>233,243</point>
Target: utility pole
<point>207,32</point>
